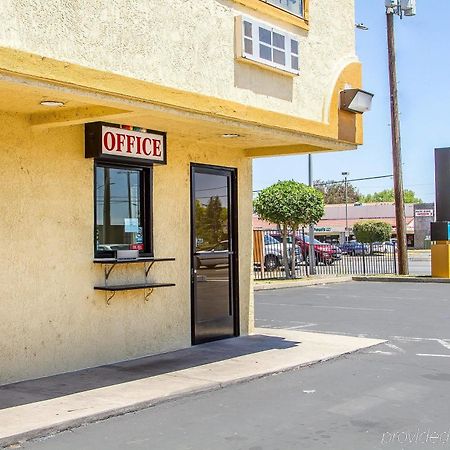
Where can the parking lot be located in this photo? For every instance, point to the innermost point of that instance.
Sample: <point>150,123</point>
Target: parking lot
<point>393,396</point>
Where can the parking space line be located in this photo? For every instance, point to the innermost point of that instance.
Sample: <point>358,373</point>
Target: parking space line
<point>431,354</point>
<point>353,308</point>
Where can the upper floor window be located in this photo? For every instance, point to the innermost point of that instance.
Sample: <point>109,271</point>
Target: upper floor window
<point>263,44</point>
<point>293,6</point>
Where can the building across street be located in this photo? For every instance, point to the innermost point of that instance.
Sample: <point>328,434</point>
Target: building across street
<point>331,228</point>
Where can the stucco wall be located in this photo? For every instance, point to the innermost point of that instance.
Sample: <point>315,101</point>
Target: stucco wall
<point>52,320</point>
<point>187,45</point>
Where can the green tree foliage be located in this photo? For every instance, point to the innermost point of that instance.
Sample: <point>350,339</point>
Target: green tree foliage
<point>371,231</point>
<point>290,205</point>
<point>388,196</point>
<point>210,222</point>
<point>334,193</point>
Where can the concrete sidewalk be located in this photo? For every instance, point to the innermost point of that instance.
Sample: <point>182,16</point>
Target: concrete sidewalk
<point>41,407</point>
<point>315,280</point>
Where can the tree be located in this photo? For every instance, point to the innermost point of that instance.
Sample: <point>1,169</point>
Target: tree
<point>371,231</point>
<point>334,193</point>
<point>210,223</point>
<point>290,205</point>
<point>388,196</point>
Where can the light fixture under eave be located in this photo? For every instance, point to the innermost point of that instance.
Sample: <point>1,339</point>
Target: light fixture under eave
<point>356,100</point>
<point>230,135</point>
<point>52,103</point>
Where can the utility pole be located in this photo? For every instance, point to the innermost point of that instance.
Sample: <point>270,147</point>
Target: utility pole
<point>393,7</point>
<point>312,262</point>
<point>345,175</point>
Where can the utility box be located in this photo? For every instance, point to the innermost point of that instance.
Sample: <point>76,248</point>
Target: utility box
<point>440,230</point>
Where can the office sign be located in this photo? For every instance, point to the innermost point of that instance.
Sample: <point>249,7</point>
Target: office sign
<point>115,143</point>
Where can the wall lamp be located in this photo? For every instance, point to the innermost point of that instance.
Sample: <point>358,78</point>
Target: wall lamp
<point>356,100</point>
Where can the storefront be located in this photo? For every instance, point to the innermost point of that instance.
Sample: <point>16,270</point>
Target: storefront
<point>126,168</point>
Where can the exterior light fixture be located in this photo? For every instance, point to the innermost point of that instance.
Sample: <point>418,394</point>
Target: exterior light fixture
<point>361,26</point>
<point>231,135</point>
<point>356,100</point>
<point>51,103</point>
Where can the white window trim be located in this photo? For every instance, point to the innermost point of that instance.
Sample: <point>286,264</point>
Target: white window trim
<point>255,56</point>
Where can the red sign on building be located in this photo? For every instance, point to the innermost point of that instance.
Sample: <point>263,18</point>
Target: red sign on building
<point>111,142</point>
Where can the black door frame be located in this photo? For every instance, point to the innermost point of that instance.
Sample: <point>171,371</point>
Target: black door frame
<point>233,220</point>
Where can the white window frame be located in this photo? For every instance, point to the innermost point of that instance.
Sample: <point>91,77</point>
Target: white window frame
<point>243,39</point>
<point>285,8</point>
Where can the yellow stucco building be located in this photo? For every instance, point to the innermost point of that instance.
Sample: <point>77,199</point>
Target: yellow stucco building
<point>179,96</point>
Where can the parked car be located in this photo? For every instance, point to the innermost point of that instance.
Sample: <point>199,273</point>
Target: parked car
<point>273,253</point>
<point>354,248</point>
<point>383,247</point>
<point>215,256</point>
<point>325,253</point>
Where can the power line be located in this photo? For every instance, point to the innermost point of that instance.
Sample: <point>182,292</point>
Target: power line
<point>354,179</point>
<point>342,182</point>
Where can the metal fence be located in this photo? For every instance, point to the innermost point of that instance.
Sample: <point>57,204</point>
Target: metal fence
<point>350,258</point>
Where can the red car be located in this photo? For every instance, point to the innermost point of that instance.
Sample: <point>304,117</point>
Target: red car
<point>325,253</point>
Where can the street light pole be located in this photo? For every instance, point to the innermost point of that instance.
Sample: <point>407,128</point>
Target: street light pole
<point>345,175</point>
<point>396,148</point>
<point>312,263</point>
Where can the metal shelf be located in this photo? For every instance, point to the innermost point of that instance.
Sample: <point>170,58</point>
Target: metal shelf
<point>132,287</point>
<point>110,263</point>
<point>129,261</point>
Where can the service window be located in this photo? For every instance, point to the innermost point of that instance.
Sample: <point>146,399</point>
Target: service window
<point>123,209</point>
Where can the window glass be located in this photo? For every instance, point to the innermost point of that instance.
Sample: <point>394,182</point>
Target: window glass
<point>119,219</point>
<point>278,40</point>
<point>211,211</point>
<point>265,35</point>
<point>279,57</point>
<point>265,52</point>
<point>247,29</point>
<point>293,6</point>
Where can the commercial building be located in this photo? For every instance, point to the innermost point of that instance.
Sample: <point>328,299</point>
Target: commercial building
<point>334,222</point>
<point>128,130</point>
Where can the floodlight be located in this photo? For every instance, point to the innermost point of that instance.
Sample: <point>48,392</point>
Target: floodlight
<point>356,100</point>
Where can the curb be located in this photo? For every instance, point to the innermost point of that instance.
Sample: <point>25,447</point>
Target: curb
<point>402,279</point>
<point>79,422</point>
<point>301,283</point>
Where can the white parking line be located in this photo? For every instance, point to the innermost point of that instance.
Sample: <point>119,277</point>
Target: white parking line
<point>394,347</point>
<point>352,308</point>
<point>443,343</point>
<point>430,354</point>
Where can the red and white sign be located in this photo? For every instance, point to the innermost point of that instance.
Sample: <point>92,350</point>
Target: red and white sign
<point>111,142</point>
<point>424,213</point>
<point>132,144</point>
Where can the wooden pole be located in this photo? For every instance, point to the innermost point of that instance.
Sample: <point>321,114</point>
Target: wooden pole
<point>396,151</point>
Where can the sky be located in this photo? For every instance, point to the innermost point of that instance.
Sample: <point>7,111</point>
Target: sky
<point>423,69</point>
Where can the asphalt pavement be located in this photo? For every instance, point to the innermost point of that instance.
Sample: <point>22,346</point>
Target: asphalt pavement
<point>394,396</point>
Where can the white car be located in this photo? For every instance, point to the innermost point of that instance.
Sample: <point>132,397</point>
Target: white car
<point>383,247</point>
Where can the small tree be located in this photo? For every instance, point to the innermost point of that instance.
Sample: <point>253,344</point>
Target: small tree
<point>371,231</point>
<point>290,205</point>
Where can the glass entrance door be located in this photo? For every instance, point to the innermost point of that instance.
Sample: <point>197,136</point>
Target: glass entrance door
<point>214,269</point>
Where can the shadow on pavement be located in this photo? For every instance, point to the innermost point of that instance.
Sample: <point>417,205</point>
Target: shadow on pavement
<point>25,392</point>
